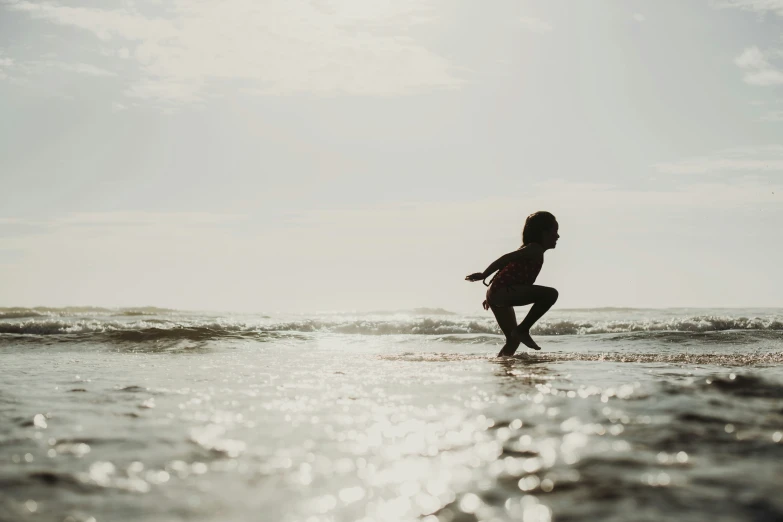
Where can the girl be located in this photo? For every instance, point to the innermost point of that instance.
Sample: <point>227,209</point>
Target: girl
<point>513,284</point>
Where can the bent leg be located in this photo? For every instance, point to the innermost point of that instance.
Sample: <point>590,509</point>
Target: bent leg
<point>541,306</point>
<point>542,298</point>
<point>507,320</point>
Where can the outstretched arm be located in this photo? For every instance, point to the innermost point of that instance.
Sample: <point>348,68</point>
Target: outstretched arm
<point>496,265</point>
<point>527,251</point>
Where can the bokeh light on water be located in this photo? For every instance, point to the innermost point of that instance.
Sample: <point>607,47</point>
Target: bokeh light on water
<point>332,427</point>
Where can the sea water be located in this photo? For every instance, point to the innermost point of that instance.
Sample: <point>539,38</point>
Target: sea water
<point>164,415</point>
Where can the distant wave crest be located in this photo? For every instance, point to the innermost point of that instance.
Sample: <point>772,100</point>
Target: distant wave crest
<point>81,311</point>
<point>701,324</point>
<point>171,327</point>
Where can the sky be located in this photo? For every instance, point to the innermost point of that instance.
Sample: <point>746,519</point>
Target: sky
<point>293,156</point>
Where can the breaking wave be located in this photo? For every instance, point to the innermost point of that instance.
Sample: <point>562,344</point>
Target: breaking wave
<point>81,311</point>
<point>124,326</point>
<point>700,324</point>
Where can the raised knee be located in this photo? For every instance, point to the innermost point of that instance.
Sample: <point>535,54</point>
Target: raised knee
<point>554,294</point>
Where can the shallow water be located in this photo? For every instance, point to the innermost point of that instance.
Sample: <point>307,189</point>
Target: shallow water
<point>170,416</point>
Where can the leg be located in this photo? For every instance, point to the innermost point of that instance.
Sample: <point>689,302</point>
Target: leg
<point>507,320</point>
<point>542,298</point>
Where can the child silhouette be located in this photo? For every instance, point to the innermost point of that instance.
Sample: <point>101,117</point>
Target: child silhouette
<point>513,284</point>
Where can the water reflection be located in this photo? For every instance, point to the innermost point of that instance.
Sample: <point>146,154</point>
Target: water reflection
<point>521,371</point>
<point>336,435</point>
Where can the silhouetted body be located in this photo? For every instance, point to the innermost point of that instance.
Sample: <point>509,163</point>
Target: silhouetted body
<point>513,284</point>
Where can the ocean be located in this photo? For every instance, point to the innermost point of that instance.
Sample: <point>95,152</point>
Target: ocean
<point>166,415</point>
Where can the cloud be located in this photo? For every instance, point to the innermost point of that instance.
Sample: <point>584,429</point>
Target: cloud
<point>758,6</point>
<point>425,220</point>
<point>773,116</point>
<point>322,47</point>
<point>752,58</point>
<point>639,17</point>
<point>380,226</point>
<point>764,78</point>
<point>536,25</point>
<point>165,259</point>
<point>145,218</point>
<point>758,70</point>
<point>25,70</point>
<point>124,219</point>
<point>690,195</point>
<point>5,64</point>
<point>155,89</point>
<point>85,68</point>
<point>754,159</point>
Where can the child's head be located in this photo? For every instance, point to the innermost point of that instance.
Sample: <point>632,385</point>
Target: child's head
<point>540,227</point>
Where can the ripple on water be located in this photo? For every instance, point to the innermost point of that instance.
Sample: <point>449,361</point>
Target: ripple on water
<point>719,359</point>
<point>342,433</point>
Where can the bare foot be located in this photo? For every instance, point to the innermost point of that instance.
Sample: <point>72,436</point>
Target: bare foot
<point>509,348</point>
<point>524,338</point>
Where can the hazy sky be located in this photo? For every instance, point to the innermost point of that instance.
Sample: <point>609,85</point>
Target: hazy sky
<point>368,154</point>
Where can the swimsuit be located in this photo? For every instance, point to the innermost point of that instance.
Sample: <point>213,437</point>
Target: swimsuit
<point>523,272</point>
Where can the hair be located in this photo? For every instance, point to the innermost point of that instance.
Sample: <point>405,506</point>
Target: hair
<point>535,225</point>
